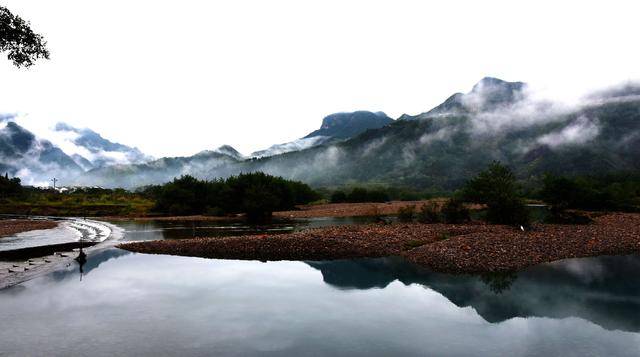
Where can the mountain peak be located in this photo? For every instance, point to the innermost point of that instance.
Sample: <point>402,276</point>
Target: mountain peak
<point>230,151</point>
<point>98,150</point>
<point>496,84</point>
<point>488,94</point>
<point>349,124</point>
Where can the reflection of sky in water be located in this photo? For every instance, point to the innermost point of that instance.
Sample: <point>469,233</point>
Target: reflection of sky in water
<point>155,230</point>
<point>137,304</point>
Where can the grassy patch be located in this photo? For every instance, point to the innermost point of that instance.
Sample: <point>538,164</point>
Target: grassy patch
<point>443,236</point>
<point>413,244</point>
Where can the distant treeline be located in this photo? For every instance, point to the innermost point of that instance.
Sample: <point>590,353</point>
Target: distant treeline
<point>614,192</point>
<point>378,194</point>
<point>258,195</point>
<point>255,194</point>
<point>77,201</point>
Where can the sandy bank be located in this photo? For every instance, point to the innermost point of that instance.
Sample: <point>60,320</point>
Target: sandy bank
<point>10,227</point>
<point>451,248</point>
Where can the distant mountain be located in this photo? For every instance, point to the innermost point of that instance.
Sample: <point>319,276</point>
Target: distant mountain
<point>206,164</point>
<point>34,160</point>
<point>437,150</point>
<point>442,148</point>
<point>489,94</point>
<point>90,150</point>
<point>296,145</point>
<point>335,127</point>
<point>348,125</point>
<point>229,151</point>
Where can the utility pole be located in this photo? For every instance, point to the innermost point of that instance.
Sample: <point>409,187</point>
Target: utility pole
<point>54,182</point>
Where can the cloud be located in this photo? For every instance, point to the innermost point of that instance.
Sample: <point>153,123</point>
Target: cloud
<point>580,131</point>
<point>296,145</point>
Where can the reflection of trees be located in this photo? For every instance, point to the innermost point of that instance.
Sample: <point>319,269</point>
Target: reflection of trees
<point>603,290</point>
<point>499,282</point>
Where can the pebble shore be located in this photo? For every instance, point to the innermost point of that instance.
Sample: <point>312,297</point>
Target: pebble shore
<point>464,248</point>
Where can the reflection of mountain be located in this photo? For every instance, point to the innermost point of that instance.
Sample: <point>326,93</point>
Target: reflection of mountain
<point>604,290</point>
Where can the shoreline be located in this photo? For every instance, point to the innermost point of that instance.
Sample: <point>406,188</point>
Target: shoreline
<point>17,269</point>
<point>464,248</point>
<point>303,211</point>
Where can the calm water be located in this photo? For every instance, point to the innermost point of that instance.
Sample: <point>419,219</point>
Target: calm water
<point>136,304</point>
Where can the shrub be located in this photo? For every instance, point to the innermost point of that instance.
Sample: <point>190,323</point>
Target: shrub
<point>497,188</point>
<point>413,244</point>
<point>10,187</point>
<point>406,214</point>
<point>608,192</point>
<point>429,213</point>
<point>255,194</point>
<point>338,197</point>
<point>454,211</point>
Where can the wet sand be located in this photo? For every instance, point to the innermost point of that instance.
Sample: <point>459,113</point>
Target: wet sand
<point>9,227</point>
<point>466,248</point>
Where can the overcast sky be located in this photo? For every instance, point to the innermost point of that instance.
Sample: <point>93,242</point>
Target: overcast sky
<point>177,77</point>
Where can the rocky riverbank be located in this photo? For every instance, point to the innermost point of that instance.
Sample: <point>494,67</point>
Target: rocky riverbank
<point>10,227</point>
<point>466,248</point>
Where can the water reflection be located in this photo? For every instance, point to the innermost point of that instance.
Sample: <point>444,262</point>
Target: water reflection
<point>604,290</point>
<point>137,304</point>
<point>181,229</point>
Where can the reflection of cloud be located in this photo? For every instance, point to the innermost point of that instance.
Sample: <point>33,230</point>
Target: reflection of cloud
<point>587,270</point>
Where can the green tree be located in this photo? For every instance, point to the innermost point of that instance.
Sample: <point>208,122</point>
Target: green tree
<point>338,197</point>
<point>9,187</point>
<point>497,188</point>
<point>24,46</point>
<point>256,194</point>
<point>454,211</point>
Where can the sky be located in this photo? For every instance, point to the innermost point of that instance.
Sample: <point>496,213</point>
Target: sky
<point>177,77</point>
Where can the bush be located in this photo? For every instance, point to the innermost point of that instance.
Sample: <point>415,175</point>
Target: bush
<point>429,213</point>
<point>455,212</point>
<point>10,187</point>
<point>255,194</point>
<point>619,192</point>
<point>497,188</point>
<point>406,214</point>
<point>338,197</point>
<point>360,194</point>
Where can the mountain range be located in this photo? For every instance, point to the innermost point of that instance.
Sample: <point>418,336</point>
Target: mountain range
<point>435,150</point>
